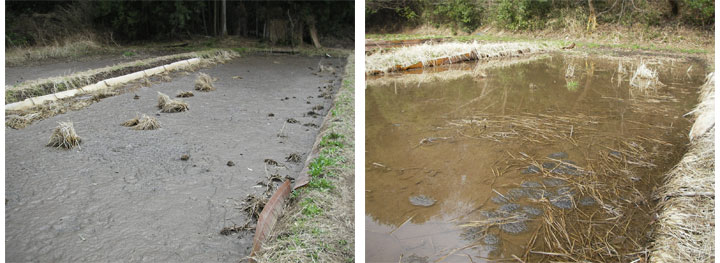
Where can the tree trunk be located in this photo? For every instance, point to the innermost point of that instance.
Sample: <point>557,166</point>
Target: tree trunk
<point>215,17</point>
<point>592,22</point>
<point>314,36</point>
<point>223,19</point>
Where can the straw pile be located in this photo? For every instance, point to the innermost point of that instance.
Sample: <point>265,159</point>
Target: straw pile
<point>20,121</point>
<point>64,136</point>
<point>185,94</point>
<point>685,229</point>
<point>169,105</point>
<point>204,82</point>
<point>143,123</point>
<point>645,77</point>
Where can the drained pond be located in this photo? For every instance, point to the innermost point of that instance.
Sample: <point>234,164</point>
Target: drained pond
<point>555,157</point>
<point>173,194</point>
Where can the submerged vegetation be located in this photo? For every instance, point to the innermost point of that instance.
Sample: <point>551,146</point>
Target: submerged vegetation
<point>599,207</point>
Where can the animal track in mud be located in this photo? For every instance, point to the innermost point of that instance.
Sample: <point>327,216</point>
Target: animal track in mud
<point>293,157</point>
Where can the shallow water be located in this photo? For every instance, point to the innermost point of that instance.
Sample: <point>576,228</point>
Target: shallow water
<point>460,143</point>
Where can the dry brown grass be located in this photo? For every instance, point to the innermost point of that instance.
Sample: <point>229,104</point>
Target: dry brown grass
<point>169,105</point>
<point>143,123</point>
<point>705,110</point>
<point>104,93</point>
<point>685,231</point>
<point>64,136</point>
<point>185,94</point>
<point>427,53</point>
<point>204,82</point>
<point>19,121</point>
<point>131,122</point>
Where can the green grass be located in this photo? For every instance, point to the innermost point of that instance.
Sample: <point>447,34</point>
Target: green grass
<point>572,85</point>
<point>129,54</point>
<point>309,208</point>
<point>321,184</point>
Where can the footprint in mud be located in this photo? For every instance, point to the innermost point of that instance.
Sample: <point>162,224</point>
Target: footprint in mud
<point>422,200</point>
<point>293,157</point>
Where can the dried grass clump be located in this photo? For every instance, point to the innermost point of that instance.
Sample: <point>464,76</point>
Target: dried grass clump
<point>185,94</point>
<point>18,122</point>
<point>64,136</point>
<point>169,105</point>
<point>165,77</point>
<point>147,123</point>
<point>570,71</point>
<point>131,122</point>
<point>104,93</point>
<point>143,123</point>
<point>204,82</point>
<point>645,77</point>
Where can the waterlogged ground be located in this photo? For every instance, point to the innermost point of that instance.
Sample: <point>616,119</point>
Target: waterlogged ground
<point>126,195</point>
<point>467,169</point>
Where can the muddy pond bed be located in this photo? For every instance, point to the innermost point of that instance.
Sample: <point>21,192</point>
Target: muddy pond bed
<point>554,158</point>
<point>164,195</point>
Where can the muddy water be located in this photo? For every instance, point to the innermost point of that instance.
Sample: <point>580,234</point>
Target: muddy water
<point>456,143</point>
<point>126,196</point>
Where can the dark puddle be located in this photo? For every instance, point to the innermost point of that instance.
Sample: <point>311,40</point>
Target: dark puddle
<point>474,167</point>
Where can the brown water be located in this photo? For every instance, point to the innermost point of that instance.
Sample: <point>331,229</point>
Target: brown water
<point>465,141</point>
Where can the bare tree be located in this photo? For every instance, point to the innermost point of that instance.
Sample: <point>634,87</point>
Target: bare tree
<point>223,19</point>
<point>592,22</point>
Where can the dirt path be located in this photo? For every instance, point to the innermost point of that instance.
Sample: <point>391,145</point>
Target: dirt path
<point>127,196</point>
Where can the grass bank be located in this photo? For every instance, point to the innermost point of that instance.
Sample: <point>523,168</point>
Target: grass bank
<point>428,54</point>
<point>42,87</point>
<point>685,230</point>
<point>649,38</point>
<point>318,223</point>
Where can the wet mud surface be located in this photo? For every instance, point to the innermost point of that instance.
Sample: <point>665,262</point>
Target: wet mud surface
<point>128,195</point>
<point>497,154</point>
